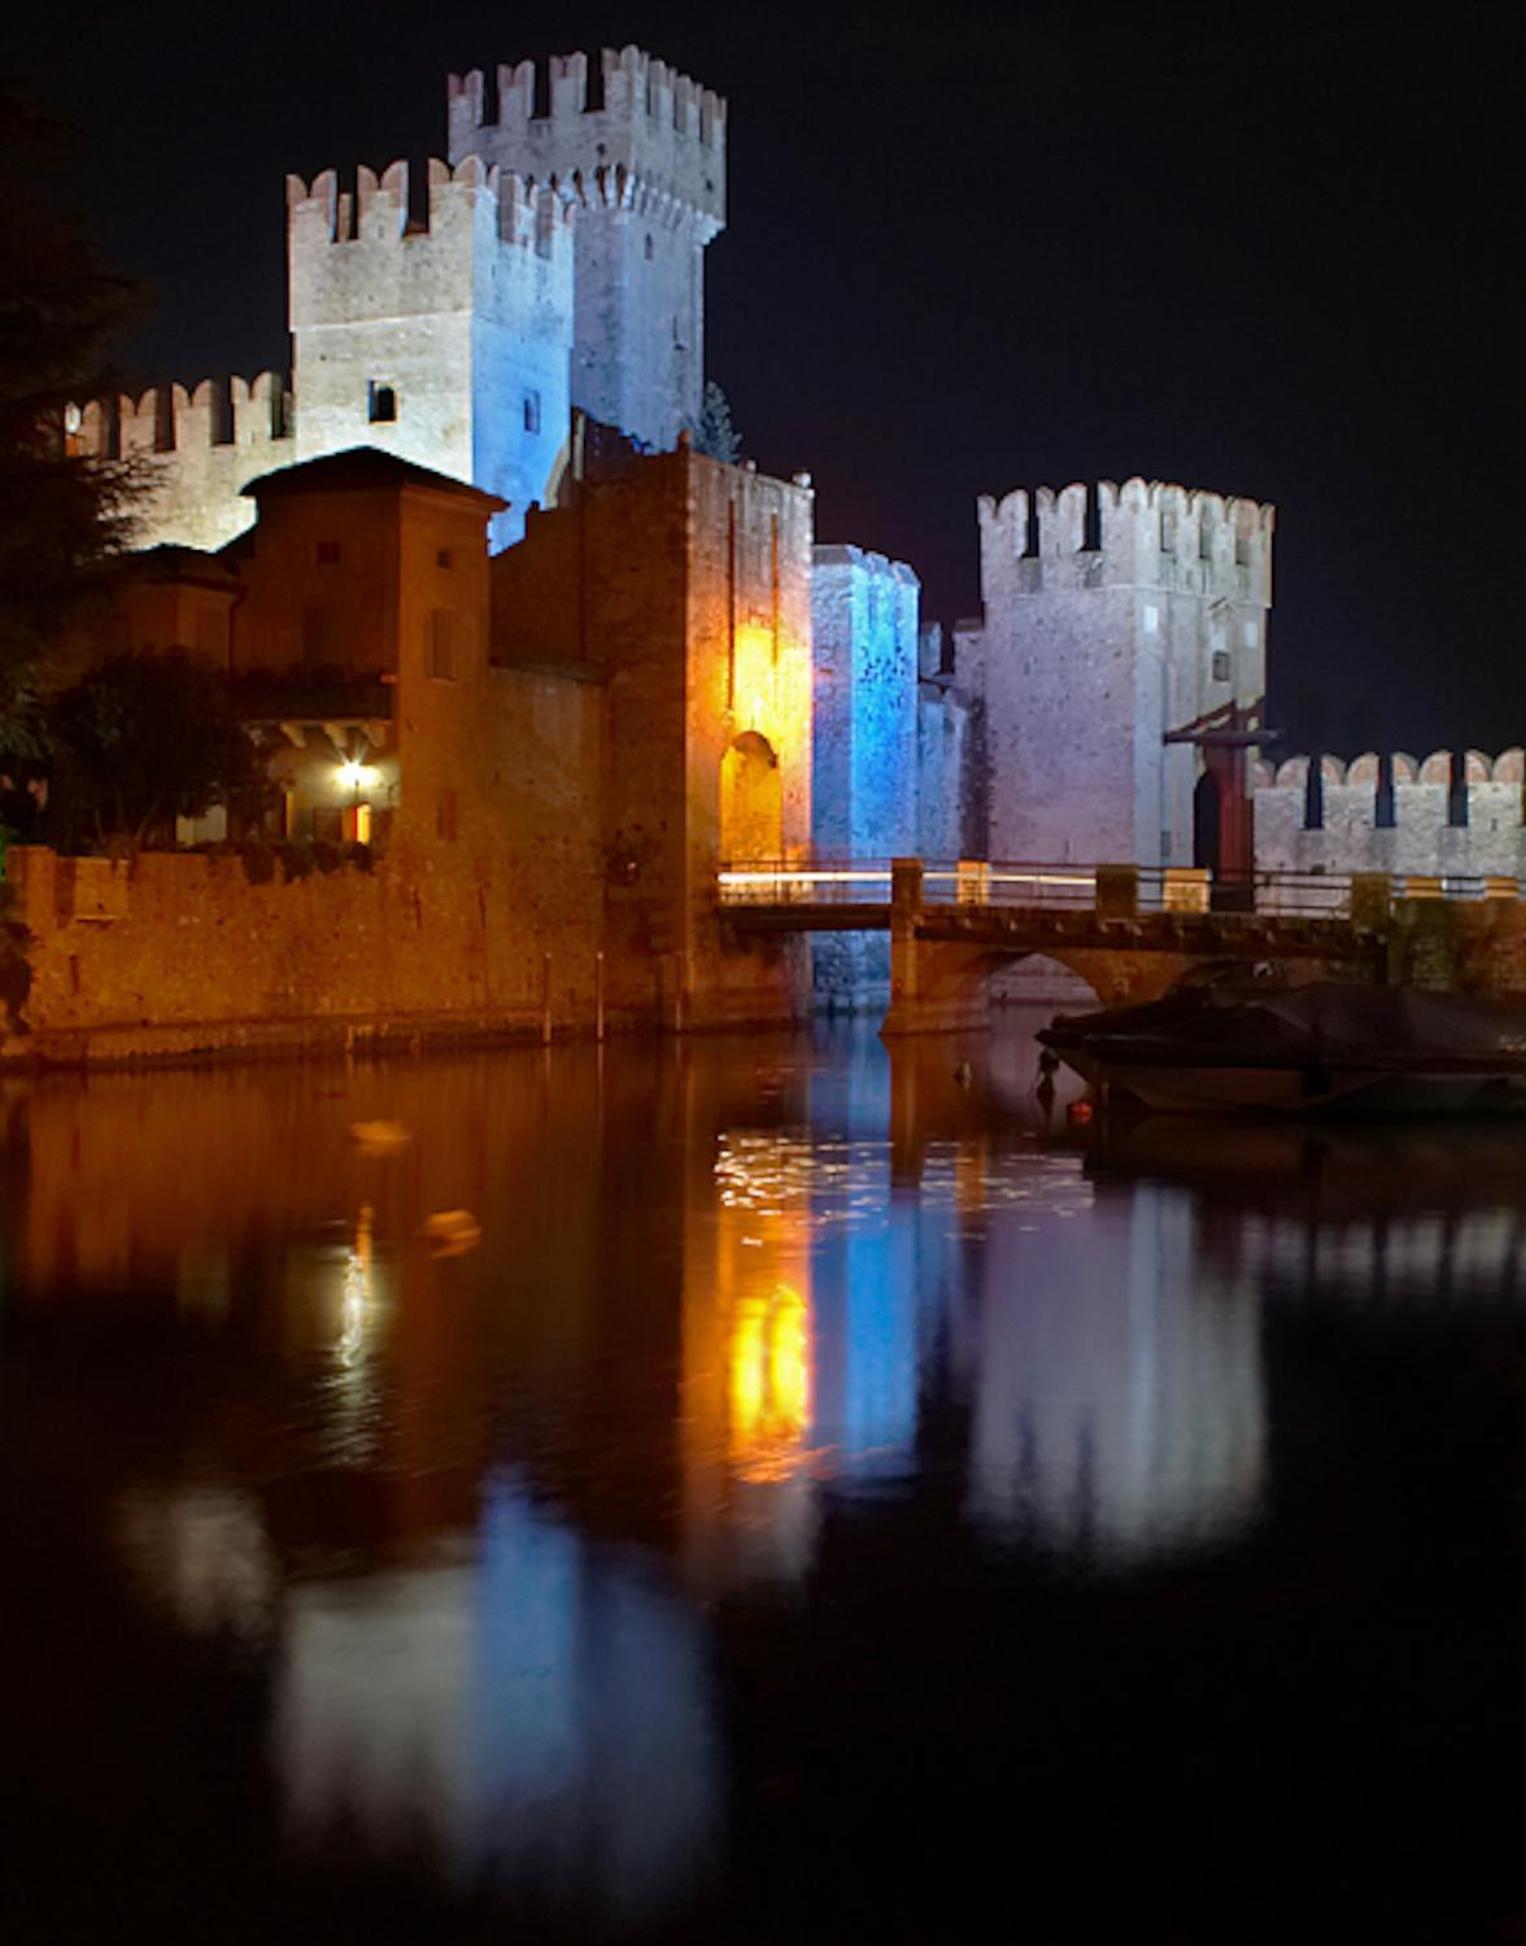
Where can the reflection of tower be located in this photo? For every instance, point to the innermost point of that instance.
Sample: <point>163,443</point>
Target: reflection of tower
<point>543,1717</point>
<point>1119,1406</point>
<point>748,1366</point>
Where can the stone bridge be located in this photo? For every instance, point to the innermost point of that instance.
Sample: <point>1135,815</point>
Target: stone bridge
<point>1131,932</point>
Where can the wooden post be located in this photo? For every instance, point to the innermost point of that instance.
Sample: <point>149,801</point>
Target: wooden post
<point>598,996</point>
<point>545,1000</point>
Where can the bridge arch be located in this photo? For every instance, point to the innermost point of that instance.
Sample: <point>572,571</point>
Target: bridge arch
<point>953,981</point>
<point>752,801</point>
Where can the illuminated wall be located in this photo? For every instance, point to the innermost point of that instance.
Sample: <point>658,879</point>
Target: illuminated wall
<point>864,611</point>
<point>641,156</point>
<point>1112,615</point>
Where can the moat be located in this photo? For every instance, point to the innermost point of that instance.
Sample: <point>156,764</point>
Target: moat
<point>752,1488</point>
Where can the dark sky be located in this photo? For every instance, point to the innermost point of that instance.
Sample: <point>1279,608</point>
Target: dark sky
<point>1272,252</point>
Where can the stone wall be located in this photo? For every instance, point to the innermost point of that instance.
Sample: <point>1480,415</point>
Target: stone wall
<point>1112,615</point>
<point>195,450</point>
<point>864,618</point>
<point>460,327</point>
<point>687,585</point>
<point>1421,839</point>
<point>178,953</point>
<point>640,152</point>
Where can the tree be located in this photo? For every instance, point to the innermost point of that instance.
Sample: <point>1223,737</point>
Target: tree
<point>142,740</point>
<point>714,434</point>
<point>63,518</point>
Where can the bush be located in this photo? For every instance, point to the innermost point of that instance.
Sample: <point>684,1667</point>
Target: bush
<point>259,862</point>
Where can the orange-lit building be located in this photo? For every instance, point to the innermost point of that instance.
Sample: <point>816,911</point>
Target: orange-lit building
<point>562,743</point>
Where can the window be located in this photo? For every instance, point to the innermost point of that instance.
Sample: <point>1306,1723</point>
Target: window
<point>444,558</point>
<point>1221,665</point>
<point>440,650</point>
<point>326,553</point>
<point>1167,532</point>
<point>445,816</point>
<point>650,252</point>
<point>1151,618</point>
<point>532,412</point>
<point>381,403</point>
<point>1252,635</point>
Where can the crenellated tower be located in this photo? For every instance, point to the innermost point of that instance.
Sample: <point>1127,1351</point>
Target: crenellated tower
<point>439,329</point>
<point>640,151</point>
<point>1119,622</point>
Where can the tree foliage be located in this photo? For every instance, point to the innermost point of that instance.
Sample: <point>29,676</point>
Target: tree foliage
<point>63,517</point>
<point>142,740</point>
<point>715,435</point>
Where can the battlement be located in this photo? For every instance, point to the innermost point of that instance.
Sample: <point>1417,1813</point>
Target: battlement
<point>381,210</point>
<point>235,412</point>
<point>198,446</point>
<point>1363,773</point>
<point>640,129</point>
<point>1441,818</point>
<point>1151,533</point>
<point>833,554</point>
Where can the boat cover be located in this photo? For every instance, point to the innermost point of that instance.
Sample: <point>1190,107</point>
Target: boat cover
<point>1333,1022</point>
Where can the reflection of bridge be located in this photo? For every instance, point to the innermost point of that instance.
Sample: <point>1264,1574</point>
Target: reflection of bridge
<point>1129,931</point>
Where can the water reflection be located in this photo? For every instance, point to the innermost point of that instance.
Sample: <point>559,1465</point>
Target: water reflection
<point>539,1715</point>
<point>485,1523</point>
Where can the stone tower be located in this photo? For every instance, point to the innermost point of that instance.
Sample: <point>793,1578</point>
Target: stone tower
<point>443,335</point>
<point>1113,616</point>
<point>641,152</point>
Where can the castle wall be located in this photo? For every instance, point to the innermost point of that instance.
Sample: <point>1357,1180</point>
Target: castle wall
<point>864,615</point>
<point>945,763</point>
<point>1099,637</point>
<point>864,779</point>
<point>643,162</point>
<point>1421,841</point>
<point>196,450</point>
<point>461,329</point>
<point>179,951</point>
<point>688,584</point>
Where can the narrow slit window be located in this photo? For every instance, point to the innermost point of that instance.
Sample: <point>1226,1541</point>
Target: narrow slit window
<point>532,411</point>
<point>381,403</point>
<point>1221,665</point>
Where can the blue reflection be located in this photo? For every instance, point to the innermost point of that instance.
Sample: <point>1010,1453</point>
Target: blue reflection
<point>542,1721</point>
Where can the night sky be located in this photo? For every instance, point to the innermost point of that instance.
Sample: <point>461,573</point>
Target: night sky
<point>1275,253</point>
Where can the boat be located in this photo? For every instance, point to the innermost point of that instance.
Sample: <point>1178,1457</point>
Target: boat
<point>1328,1047</point>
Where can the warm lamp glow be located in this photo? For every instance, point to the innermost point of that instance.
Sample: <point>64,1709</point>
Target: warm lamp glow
<point>356,776</point>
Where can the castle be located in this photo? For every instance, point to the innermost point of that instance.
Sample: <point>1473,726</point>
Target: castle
<point>526,318</point>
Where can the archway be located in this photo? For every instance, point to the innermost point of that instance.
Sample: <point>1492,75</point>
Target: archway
<point>752,802</point>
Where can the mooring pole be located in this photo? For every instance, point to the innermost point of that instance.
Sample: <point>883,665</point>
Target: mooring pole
<point>598,996</point>
<point>545,1000</point>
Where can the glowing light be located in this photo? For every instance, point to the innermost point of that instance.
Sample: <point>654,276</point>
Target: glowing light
<point>356,776</point>
<point>770,1381</point>
<point>355,1291</point>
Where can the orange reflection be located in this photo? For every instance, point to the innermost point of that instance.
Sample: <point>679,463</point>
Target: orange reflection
<point>770,1379</point>
<point>749,1363</point>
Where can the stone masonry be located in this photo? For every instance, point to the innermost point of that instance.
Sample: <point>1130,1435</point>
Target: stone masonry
<point>1113,615</point>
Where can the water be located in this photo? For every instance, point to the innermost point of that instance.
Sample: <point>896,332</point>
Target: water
<point>782,1492</point>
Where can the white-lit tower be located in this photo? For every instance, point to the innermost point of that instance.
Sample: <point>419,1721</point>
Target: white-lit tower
<point>640,153</point>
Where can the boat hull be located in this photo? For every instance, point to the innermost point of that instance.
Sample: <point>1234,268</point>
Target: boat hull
<point>1185,1090</point>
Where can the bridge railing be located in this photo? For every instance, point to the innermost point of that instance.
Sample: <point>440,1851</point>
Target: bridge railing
<point>816,881</point>
<point>1116,890</point>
